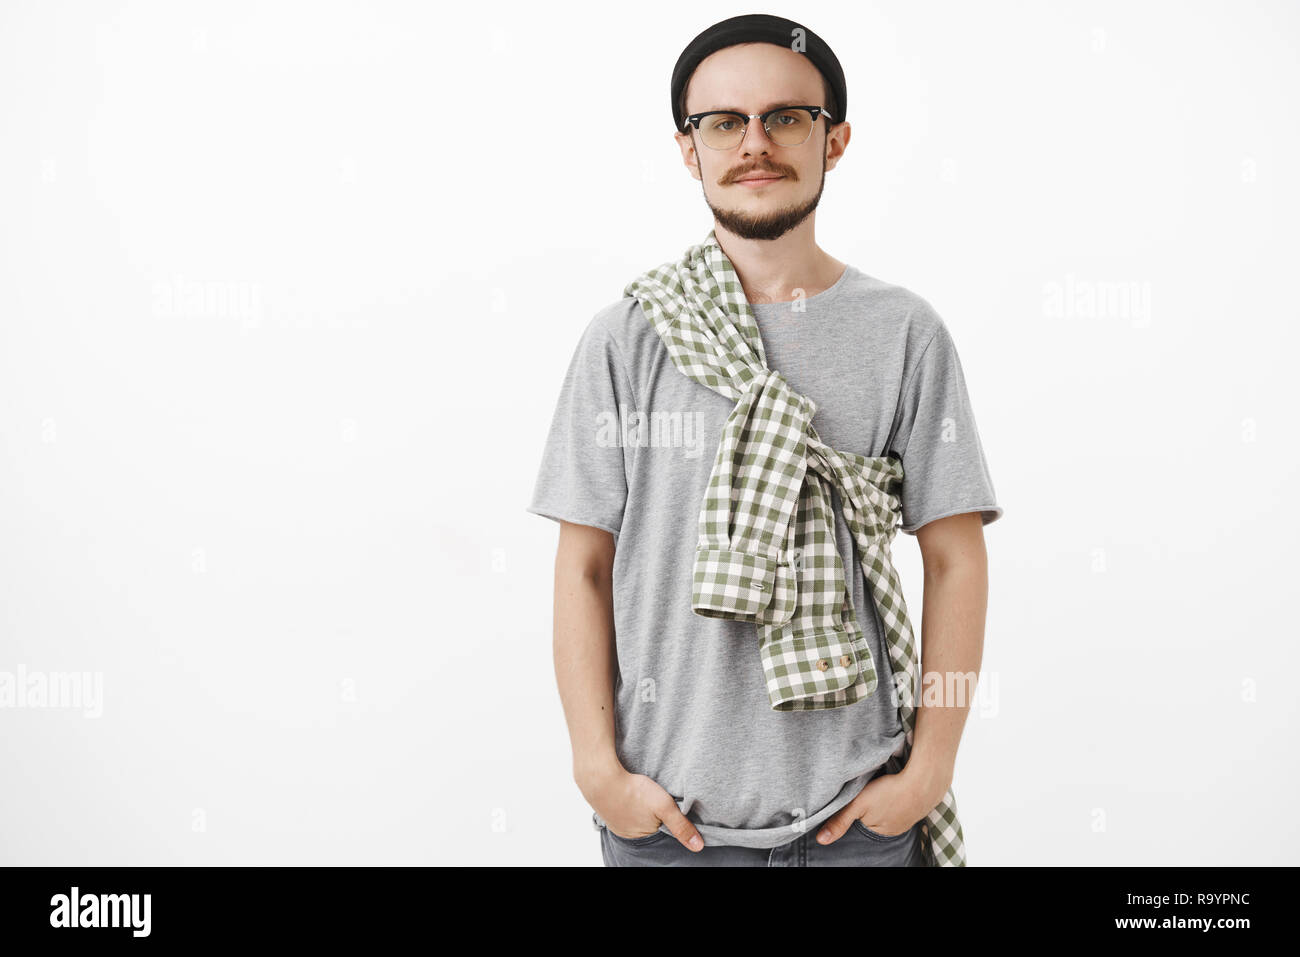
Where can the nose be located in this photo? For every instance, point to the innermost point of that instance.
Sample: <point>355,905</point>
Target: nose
<point>755,138</point>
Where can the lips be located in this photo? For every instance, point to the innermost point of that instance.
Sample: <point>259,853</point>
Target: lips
<point>766,180</point>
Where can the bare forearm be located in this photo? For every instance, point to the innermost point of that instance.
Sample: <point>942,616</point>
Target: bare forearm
<point>584,669</point>
<point>952,647</point>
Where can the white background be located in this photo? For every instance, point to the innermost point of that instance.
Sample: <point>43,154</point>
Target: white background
<point>287,291</point>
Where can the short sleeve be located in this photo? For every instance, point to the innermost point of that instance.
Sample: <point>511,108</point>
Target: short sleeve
<point>583,475</point>
<point>944,469</point>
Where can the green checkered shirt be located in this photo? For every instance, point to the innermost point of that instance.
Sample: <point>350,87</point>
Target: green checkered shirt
<point>767,550</point>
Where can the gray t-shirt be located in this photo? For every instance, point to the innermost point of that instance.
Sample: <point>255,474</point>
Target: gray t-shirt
<point>631,448</point>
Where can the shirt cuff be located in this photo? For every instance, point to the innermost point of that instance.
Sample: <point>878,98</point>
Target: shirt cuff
<point>798,668</point>
<point>744,586</point>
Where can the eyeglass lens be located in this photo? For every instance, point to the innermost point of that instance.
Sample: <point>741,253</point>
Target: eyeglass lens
<point>786,128</point>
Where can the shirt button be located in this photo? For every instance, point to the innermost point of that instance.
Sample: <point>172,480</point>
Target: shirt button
<point>845,660</point>
<point>823,665</point>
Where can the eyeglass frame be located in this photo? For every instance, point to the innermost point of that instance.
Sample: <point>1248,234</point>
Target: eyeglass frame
<point>694,121</point>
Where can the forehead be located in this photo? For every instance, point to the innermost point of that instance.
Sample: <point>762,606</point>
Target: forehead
<point>753,77</point>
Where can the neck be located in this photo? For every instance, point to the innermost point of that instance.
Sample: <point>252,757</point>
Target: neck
<point>780,270</point>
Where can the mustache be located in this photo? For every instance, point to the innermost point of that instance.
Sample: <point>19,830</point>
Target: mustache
<point>775,171</point>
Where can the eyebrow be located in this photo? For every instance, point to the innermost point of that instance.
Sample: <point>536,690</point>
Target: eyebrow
<point>772,105</point>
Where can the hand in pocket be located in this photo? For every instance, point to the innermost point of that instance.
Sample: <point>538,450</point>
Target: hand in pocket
<point>634,805</point>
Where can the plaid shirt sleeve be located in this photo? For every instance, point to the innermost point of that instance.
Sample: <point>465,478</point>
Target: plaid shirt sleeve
<point>744,566</point>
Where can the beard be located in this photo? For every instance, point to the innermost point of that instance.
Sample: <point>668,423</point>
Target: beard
<point>767,225</point>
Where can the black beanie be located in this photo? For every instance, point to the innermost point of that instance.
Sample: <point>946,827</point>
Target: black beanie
<point>759,27</point>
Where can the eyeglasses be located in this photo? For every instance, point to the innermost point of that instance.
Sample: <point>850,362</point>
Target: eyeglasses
<point>785,125</point>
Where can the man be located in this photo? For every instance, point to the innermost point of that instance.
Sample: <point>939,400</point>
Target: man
<point>686,747</point>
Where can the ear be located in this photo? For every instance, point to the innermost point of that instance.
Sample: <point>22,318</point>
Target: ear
<point>837,141</point>
<point>686,143</point>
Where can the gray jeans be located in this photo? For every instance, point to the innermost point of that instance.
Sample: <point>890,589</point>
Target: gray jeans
<point>857,847</point>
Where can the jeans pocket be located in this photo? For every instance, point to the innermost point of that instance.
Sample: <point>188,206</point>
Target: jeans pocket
<point>883,838</point>
<point>638,841</point>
